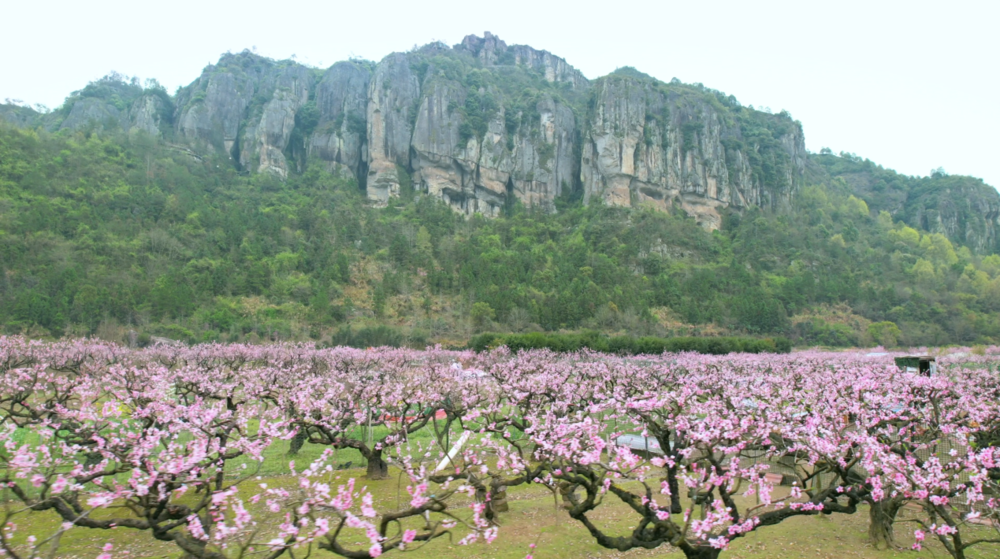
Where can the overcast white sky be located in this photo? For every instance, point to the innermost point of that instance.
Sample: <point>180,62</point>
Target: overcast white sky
<point>911,85</point>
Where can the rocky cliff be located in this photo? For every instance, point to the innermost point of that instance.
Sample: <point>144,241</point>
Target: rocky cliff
<point>649,143</point>
<point>108,103</point>
<point>340,139</point>
<point>491,52</point>
<point>245,106</point>
<point>483,125</point>
<point>393,92</point>
<point>964,209</point>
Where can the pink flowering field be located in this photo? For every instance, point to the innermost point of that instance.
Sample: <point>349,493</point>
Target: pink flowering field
<point>226,451</point>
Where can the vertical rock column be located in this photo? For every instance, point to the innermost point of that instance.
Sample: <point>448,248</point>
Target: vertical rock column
<point>340,139</point>
<point>392,94</point>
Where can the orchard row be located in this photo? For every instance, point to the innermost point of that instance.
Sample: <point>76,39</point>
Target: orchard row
<point>170,442</point>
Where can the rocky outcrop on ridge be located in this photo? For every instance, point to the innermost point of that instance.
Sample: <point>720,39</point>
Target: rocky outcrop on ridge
<point>964,209</point>
<point>484,125</point>
<point>245,106</point>
<point>108,103</point>
<point>491,52</point>
<point>481,125</point>
<point>340,139</point>
<point>650,144</point>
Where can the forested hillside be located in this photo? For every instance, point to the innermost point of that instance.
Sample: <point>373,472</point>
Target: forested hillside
<point>117,234</point>
<point>965,209</point>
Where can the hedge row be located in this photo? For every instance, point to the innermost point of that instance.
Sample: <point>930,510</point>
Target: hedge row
<point>377,336</point>
<point>629,345</point>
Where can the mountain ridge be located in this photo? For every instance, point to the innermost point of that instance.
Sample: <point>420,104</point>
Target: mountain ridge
<point>479,125</point>
<point>125,236</point>
<point>482,125</point>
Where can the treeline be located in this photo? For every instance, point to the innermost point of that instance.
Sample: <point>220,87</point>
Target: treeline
<point>629,345</point>
<point>116,235</point>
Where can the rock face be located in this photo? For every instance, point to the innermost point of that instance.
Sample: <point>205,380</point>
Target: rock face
<point>533,163</point>
<point>460,138</point>
<point>393,91</point>
<point>491,52</point>
<point>481,125</point>
<point>245,106</point>
<point>964,209</point>
<point>546,162</point>
<point>340,140</point>
<point>109,103</point>
<point>19,116</point>
<point>967,210</point>
<point>484,124</point>
<point>266,134</point>
<point>149,113</point>
<point>91,109</point>
<point>650,145</point>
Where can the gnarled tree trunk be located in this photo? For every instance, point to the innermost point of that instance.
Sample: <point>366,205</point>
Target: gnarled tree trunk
<point>881,517</point>
<point>496,503</point>
<point>377,467</point>
<point>295,445</point>
<point>675,497</point>
<point>702,552</point>
<point>566,490</point>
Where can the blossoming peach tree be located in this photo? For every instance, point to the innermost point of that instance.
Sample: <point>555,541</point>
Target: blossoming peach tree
<point>170,443</point>
<point>104,438</point>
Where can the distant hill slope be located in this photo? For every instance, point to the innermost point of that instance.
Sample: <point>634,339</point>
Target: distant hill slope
<point>965,209</point>
<point>269,200</point>
<point>483,125</point>
<point>114,234</point>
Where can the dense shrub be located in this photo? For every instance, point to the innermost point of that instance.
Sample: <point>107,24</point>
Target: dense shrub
<point>629,345</point>
<point>369,336</point>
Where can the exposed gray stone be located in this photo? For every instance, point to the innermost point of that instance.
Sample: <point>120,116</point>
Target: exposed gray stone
<point>245,107</point>
<point>645,146</point>
<point>491,51</point>
<point>145,114</point>
<point>393,91</point>
<point>92,111</point>
<point>340,139</point>
<point>21,117</point>
<point>266,134</point>
<point>624,139</point>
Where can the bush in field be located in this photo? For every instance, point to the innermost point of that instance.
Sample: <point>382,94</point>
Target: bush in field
<point>628,345</point>
<point>368,336</point>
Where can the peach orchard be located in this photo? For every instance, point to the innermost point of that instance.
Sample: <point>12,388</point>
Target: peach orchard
<point>168,443</point>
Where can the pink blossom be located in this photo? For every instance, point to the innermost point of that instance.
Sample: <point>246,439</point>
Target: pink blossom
<point>366,506</point>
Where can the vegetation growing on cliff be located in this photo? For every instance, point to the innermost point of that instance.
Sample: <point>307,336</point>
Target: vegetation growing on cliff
<point>956,206</point>
<point>102,234</point>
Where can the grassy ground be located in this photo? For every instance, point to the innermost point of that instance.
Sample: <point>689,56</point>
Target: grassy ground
<point>534,518</point>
